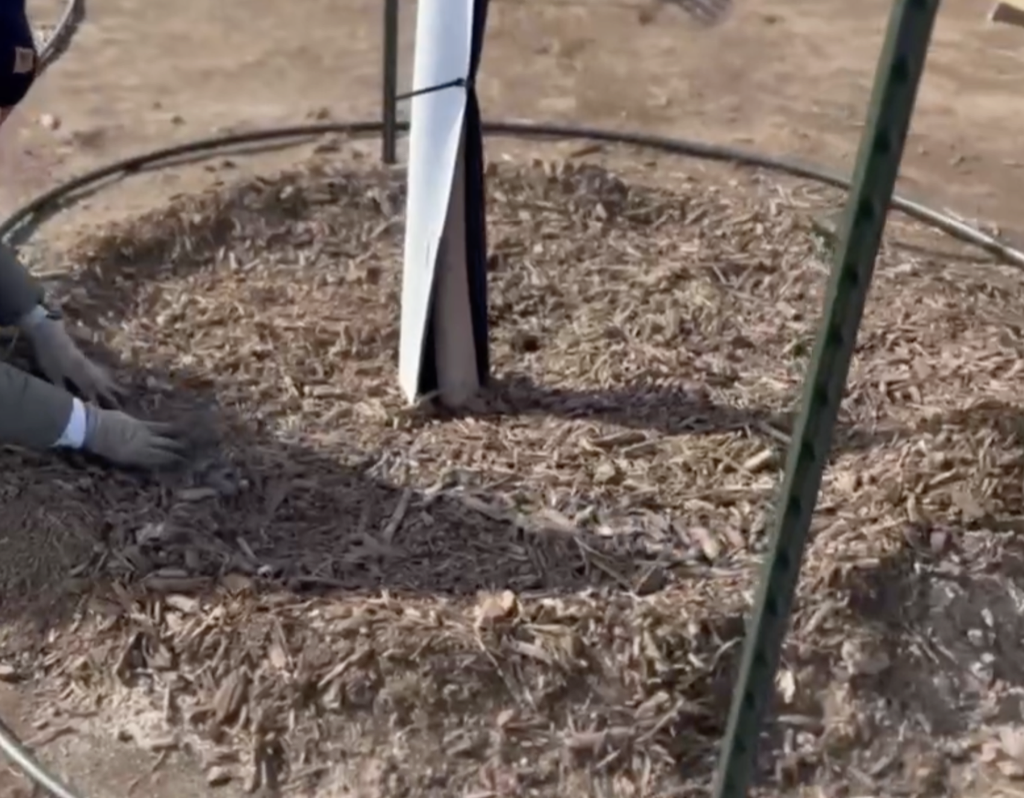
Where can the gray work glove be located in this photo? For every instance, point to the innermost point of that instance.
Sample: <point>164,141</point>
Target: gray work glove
<point>61,361</point>
<point>130,442</point>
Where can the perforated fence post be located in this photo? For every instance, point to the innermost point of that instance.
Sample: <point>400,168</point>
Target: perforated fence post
<point>881,149</point>
<point>389,111</point>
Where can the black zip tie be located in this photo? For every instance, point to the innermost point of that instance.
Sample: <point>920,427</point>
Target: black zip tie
<point>451,84</point>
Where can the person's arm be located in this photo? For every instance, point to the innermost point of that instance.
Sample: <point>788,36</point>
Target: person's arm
<point>33,413</point>
<point>36,414</point>
<point>20,293</point>
<point>57,355</point>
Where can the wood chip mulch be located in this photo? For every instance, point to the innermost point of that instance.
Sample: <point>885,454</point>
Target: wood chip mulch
<point>544,594</point>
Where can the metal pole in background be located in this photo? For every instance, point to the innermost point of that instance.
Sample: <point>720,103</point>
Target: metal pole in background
<point>881,149</point>
<point>389,111</point>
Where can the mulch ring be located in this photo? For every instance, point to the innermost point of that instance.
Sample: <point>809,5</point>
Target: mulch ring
<point>542,595</point>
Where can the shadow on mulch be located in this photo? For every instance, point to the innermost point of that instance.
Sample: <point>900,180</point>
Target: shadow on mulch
<point>182,244</point>
<point>292,515</point>
<point>948,599</point>
<point>282,515</point>
<point>945,607</point>
<point>279,511</point>
<point>948,628</point>
<point>665,410</point>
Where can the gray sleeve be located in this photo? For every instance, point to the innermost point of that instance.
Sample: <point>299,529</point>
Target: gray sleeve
<point>33,412</point>
<point>19,292</point>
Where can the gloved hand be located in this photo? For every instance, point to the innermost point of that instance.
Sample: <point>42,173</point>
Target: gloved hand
<point>60,359</point>
<point>131,442</point>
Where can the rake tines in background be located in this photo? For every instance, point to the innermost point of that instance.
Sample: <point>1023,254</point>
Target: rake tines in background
<point>53,41</point>
<point>706,13</point>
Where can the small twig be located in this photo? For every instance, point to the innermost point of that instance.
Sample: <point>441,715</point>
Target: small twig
<point>391,527</point>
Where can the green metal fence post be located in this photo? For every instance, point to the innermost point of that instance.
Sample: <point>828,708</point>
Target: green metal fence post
<point>389,112</point>
<point>881,149</point>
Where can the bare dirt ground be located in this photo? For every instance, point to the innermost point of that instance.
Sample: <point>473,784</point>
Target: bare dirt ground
<point>544,597</point>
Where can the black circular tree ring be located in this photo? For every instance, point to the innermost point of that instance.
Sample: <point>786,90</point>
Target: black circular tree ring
<point>164,158</point>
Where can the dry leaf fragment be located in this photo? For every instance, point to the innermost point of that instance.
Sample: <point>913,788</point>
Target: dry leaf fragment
<point>990,752</point>
<point>606,473</point>
<point>277,656</point>
<point>8,673</point>
<point>218,776</point>
<point>785,683</point>
<point>847,482</point>
<point>1011,738</point>
<point>185,604</point>
<point>708,543</point>
<point>496,607</point>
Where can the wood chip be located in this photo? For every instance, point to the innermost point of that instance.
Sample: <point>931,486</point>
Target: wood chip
<point>219,776</point>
